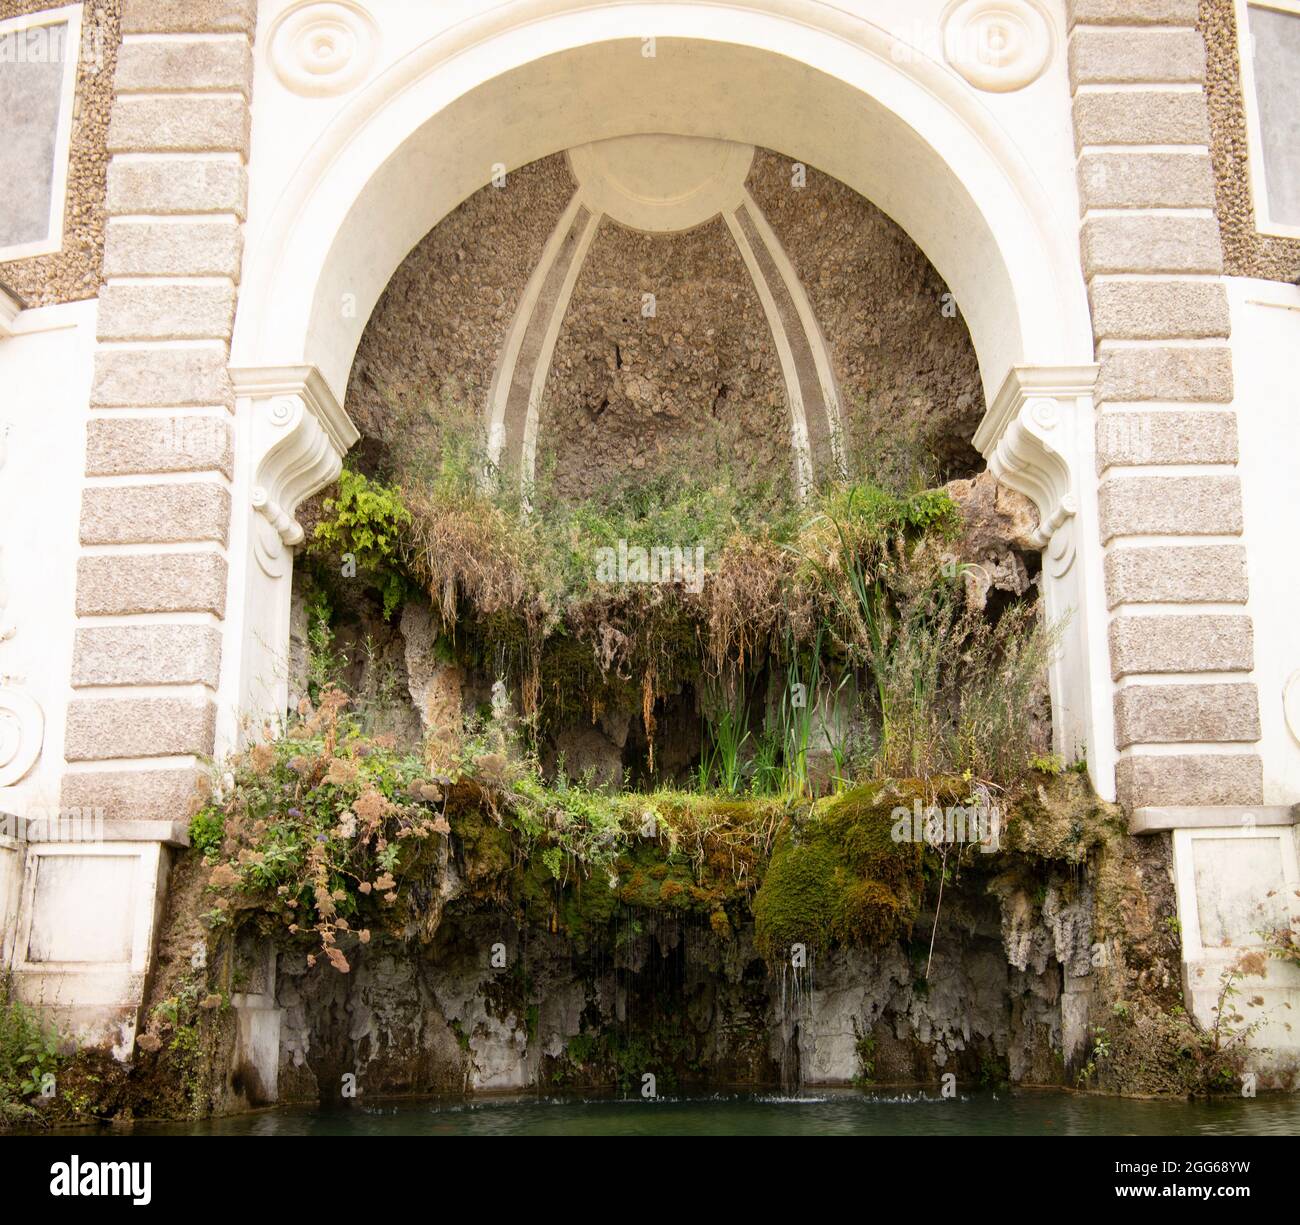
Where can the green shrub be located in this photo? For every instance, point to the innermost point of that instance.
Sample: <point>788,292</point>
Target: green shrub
<point>207,829</point>
<point>30,1050</point>
<point>364,522</point>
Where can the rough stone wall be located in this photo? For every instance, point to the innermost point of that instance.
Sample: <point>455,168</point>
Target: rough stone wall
<point>629,394</point>
<point>1246,252</point>
<point>151,580</point>
<point>441,1019</point>
<point>908,377</point>
<point>74,272</point>
<point>1164,395</point>
<point>439,326</point>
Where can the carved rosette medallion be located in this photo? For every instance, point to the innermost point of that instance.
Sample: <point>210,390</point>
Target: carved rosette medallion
<point>998,45</point>
<point>322,49</point>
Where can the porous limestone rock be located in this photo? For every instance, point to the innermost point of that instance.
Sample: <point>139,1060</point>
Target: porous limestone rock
<point>586,750</point>
<point>435,685</point>
<point>997,533</point>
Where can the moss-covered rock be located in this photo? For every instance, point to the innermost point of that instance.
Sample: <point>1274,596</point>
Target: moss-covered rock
<point>1058,816</point>
<point>839,875</point>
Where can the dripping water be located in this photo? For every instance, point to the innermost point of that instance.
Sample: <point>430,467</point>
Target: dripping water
<point>793,1009</point>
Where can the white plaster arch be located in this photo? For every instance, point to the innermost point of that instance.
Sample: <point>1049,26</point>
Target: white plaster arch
<point>527,78</point>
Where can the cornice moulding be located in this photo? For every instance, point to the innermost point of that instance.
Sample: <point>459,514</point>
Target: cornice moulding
<point>1027,436</point>
<point>306,382</point>
<point>1024,383</point>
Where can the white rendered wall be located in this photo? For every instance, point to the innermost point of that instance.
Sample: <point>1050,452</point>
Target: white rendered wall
<point>1265,350</point>
<point>45,370</point>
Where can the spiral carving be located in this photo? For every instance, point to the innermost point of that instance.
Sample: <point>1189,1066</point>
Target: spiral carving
<point>998,45</point>
<point>22,733</point>
<point>319,49</point>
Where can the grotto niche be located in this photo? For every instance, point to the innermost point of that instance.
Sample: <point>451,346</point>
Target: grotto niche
<point>663,590</point>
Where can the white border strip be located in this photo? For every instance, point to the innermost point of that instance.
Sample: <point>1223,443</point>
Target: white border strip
<point>798,413</point>
<point>71,17</point>
<point>1255,168</point>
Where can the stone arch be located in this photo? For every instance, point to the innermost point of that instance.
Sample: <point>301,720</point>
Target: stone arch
<point>536,77</point>
<point>787,312</point>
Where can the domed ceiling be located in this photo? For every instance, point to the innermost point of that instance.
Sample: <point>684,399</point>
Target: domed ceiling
<point>640,304</point>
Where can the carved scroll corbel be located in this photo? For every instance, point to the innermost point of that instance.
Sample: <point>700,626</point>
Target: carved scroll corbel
<point>300,435</point>
<point>1028,458</point>
<point>1028,437</point>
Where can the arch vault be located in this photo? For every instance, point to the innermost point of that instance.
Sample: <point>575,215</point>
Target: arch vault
<point>534,77</point>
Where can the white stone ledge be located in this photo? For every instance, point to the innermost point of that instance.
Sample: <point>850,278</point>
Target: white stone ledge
<point>173,833</point>
<point>43,831</point>
<point>1155,820</point>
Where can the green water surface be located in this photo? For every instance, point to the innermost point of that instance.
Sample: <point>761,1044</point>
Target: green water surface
<point>831,1113</point>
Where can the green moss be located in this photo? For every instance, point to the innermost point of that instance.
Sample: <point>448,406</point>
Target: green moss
<point>580,905</point>
<point>799,898</point>
<point>839,876</point>
<point>1060,817</point>
<point>573,860</point>
<point>487,845</point>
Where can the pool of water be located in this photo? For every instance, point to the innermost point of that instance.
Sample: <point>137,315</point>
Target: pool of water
<point>832,1113</point>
